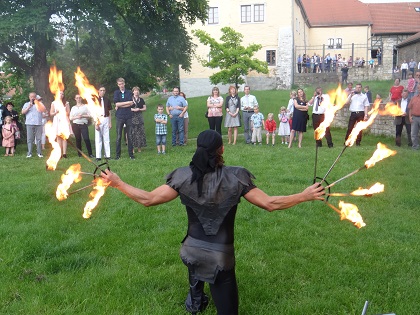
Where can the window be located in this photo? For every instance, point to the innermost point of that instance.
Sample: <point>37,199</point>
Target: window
<point>330,42</point>
<point>252,13</point>
<point>271,57</point>
<point>259,13</point>
<point>339,44</point>
<point>245,13</point>
<point>213,15</point>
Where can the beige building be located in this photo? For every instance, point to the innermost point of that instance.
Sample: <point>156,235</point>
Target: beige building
<point>287,28</point>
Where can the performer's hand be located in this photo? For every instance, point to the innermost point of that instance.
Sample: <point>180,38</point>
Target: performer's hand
<point>314,192</point>
<point>112,178</point>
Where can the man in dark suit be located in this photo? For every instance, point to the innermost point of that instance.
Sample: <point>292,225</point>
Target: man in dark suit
<point>103,125</point>
<point>401,121</point>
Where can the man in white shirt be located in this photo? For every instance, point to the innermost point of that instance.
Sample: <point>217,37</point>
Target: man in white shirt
<point>401,121</point>
<point>248,102</point>
<point>102,128</point>
<point>404,69</point>
<point>318,102</point>
<point>359,108</point>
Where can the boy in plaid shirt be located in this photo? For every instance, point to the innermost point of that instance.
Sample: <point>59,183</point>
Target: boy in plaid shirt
<point>161,120</point>
<point>257,123</point>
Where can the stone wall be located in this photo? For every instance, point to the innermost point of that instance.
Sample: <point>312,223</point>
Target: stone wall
<point>382,125</point>
<point>285,61</point>
<point>409,52</point>
<point>356,74</point>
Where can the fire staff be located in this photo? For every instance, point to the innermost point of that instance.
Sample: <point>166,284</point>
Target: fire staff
<point>211,192</point>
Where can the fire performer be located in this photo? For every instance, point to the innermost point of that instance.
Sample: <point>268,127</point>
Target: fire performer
<point>211,192</point>
<point>359,107</point>
<point>318,114</point>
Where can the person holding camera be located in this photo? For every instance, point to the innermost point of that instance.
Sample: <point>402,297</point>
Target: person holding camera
<point>33,112</point>
<point>318,102</point>
<point>359,108</point>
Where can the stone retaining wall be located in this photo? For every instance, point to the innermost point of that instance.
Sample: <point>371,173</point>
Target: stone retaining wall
<point>356,74</point>
<point>382,125</point>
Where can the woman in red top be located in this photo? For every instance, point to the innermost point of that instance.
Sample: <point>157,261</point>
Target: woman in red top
<point>395,93</point>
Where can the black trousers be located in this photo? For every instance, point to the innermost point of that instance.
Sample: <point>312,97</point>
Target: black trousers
<point>355,117</point>
<point>81,130</point>
<point>399,129</point>
<point>224,292</point>
<point>317,119</point>
<point>119,129</point>
<point>215,123</point>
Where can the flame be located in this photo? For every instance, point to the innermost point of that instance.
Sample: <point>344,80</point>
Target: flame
<point>376,188</point>
<point>391,109</point>
<point>56,151</point>
<point>56,87</point>
<point>71,176</point>
<point>61,127</point>
<point>89,93</point>
<point>382,152</point>
<point>340,97</point>
<point>362,125</point>
<point>351,212</point>
<point>96,194</point>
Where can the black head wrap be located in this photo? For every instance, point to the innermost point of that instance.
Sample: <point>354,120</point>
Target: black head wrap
<point>205,158</point>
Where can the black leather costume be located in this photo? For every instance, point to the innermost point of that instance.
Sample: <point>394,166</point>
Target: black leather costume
<point>208,248</point>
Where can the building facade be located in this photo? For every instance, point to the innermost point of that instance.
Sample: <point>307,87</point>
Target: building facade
<point>287,28</point>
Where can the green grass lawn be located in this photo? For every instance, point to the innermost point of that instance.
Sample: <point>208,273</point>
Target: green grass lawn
<point>124,260</point>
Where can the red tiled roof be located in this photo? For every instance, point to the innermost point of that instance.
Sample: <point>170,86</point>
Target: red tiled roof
<point>385,18</point>
<point>336,13</point>
<point>394,18</point>
<point>412,39</point>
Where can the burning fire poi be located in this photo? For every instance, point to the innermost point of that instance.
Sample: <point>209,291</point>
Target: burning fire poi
<point>73,174</point>
<point>59,129</point>
<point>350,211</point>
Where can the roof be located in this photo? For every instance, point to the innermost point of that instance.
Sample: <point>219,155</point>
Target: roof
<point>323,13</point>
<point>412,39</point>
<point>385,18</point>
<point>394,18</point>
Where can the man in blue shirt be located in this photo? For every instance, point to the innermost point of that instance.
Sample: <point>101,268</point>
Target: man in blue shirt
<point>176,106</point>
<point>123,100</point>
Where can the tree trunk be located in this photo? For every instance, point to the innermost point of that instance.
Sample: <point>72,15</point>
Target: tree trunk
<point>40,69</point>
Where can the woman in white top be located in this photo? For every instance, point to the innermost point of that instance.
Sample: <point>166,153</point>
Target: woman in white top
<point>79,117</point>
<point>59,112</point>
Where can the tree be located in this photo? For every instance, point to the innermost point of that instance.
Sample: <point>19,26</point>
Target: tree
<point>234,60</point>
<point>138,39</point>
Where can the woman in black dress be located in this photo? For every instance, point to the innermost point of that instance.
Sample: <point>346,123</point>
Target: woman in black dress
<point>137,130</point>
<point>300,117</point>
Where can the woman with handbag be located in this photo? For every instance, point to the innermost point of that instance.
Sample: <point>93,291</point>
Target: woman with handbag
<point>215,110</point>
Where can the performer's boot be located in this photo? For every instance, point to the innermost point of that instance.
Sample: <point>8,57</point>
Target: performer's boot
<point>196,300</point>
